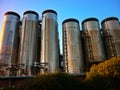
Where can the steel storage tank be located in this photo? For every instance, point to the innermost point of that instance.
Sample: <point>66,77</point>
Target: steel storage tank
<point>49,42</point>
<point>37,61</point>
<point>19,39</point>
<point>93,45</point>
<point>72,48</point>
<point>28,43</point>
<point>9,43</point>
<point>111,34</point>
<point>39,40</point>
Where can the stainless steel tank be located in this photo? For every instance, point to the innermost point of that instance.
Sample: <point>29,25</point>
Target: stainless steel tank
<point>111,33</point>
<point>36,68</point>
<point>39,41</point>
<point>28,43</point>
<point>49,42</point>
<point>92,41</point>
<point>9,43</point>
<point>72,49</point>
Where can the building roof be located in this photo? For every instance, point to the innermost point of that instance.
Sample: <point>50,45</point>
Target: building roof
<point>109,18</point>
<point>89,19</point>
<point>30,12</point>
<point>70,20</point>
<point>49,10</point>
<point>12,13</point>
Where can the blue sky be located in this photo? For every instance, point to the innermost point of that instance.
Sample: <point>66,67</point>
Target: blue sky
<point>79,9</point>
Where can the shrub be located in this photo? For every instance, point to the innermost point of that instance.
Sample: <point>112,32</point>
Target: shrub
<point>105,75</point>
<point>8,88</point>
<point>108,68</point>
<point>57,81</point>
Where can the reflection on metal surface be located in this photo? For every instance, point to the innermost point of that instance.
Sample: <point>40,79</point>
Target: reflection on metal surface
<point>92,41</point>
<point>9,41</point>
<point>111,32</point>
<point>72,49</point>
<point>28,43</point>
<point>49,42</point>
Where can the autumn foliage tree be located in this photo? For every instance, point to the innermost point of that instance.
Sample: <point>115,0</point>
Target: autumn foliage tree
<point>107,68</point>
<point>104,76</point>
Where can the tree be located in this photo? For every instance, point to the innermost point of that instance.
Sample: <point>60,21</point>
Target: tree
<point>105,75</point>
<point>107,68</point>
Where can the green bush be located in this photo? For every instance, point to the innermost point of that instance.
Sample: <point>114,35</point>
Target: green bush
<point>57,81</point>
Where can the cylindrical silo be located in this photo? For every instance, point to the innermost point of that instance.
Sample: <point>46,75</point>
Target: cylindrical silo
<point>72,48</point>
<point>9,43</point>
<point>36,69</point>
<point>92,41</point>
<point>39,41</point>
<point>49,42</point>
<point>111,33</point>
<point>28,43</point>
